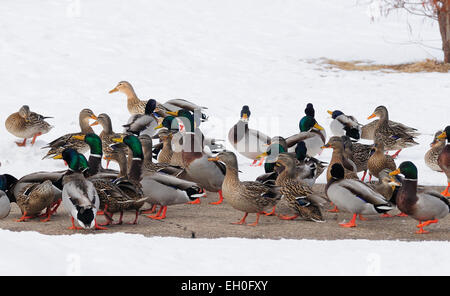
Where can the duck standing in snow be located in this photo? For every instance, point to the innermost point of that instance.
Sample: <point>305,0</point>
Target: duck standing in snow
<point>354,196</point>
<point>26,124</point>
<point>248,142</point>
<point>393,137</point>
<point>344,125</point>
<point>427,207</point>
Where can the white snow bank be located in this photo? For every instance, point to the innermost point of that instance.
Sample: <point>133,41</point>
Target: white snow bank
<point>32,253</point>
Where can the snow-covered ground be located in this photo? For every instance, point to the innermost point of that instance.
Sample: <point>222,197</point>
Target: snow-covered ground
<point>125,254</point>
<point>62,56</point>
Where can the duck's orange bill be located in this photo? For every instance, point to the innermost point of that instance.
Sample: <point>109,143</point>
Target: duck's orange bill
<point>113,90</point>
<point>94,117</point>
<point>326,146</point>
<point>94,123</point>
<point>172,113</point>
<point>330,112</point>
<point>442,136</point>
<point>213,159</point>
<point>396,172</point>
<point>372,116</point>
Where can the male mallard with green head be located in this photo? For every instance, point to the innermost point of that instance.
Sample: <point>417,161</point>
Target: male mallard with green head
<point>427,207</point>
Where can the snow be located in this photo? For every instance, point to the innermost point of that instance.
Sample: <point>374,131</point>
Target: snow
<point>62,56</point>
<point>138,255</point>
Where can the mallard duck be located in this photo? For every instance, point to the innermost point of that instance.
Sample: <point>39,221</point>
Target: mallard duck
<point>158,188</point>
<point>166,153</point>
<point>308,169</point>
<point>311,134</point>
<point>67,141</point>
<point>149,165</point>
<point>309,111</point>
<point>137,106</point>
<point>393,137</point>
<point>143,123</point>
<point>427,207</point>
<point>246,141</point>
<point>354,196</point>
<point>7,182</point>
<point>247,196</point>
<point>358,153</point>
<point>344,125</point>
<point>32,198</point>
<point>297,195</point>
<point>26,124</point>
<point>79,196</point>
<point>379,161</point>
<point>444,159</point>
<point>432,155</point>
<point>95,157</point>
<point>338,156</point>
<point>196,166</point>
<point>107,133</point>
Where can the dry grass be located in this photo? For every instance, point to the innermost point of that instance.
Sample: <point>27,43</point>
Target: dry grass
<point>422,66</point>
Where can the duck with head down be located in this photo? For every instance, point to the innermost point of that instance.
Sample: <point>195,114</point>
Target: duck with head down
<point>297,195</point>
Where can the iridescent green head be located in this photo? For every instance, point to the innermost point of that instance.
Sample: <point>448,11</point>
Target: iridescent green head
<point>133,143</point>
<point>307,123</point>
<point>408,169</point>
<point>83,163</point>
<point>70,156</point>
<point>187,118</point>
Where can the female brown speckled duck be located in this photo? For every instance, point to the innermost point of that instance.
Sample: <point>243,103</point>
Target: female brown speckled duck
<point>248,196</point>
<point>68,141</point>
<point>379,161</point>
<point>298,196</point>
<point>393,137</point>
<point>432,155</point>
<point>26,124</point>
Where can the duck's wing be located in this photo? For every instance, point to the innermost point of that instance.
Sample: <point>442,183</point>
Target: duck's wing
<point>294,139</point>
<point>182,104</point>
<point>363,191</point>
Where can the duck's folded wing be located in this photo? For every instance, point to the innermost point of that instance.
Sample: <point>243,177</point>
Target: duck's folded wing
<point>171,181</point>
<point>363,192</point>
<point>182,104</point>
<point>294,139</point>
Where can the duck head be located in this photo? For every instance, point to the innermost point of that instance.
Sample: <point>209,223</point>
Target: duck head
<point>308,123</point>
<point>228,158</point>
<point>334,114</point>
<point>133,143</point>
<point>300,151</point>
<point>309,111</point>
<point>445,134</point>
<point>186,117</point>
<point>408,169</point>
<point>337,171</point>
<point>380,111</point>
<point>150,107</point>
<point>245,113</point>
<point>123,87</point>
<point>94,142</point>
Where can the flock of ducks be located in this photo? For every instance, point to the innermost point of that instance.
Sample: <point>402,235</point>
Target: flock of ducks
<point>189,164</point>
